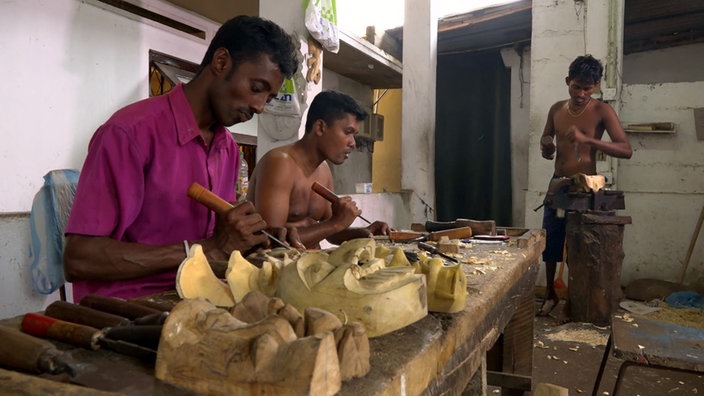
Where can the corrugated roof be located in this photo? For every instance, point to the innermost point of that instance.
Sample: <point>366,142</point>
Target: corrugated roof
<point>648,25</point>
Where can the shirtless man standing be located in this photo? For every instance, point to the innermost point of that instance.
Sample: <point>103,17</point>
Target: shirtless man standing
<point>577,125</point>
<point>281,183</point>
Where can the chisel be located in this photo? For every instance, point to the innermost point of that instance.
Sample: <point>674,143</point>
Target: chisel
<point>139,341</point>
<point>219,205</point>
<point>83,315</point>
<point>20,351</point>
<point>330,196</point>
<point>433,250</point>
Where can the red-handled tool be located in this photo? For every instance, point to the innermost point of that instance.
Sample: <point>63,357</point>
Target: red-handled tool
<point>329,196</point>
<point>139,341</point>
<point>55,329</point>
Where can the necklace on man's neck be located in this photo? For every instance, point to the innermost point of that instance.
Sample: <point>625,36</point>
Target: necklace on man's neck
<point>572,113</point>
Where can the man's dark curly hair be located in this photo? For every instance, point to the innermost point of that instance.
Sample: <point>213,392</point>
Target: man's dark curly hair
<point>587,69</point>
<point>247,38</point>
<point>333,105</point>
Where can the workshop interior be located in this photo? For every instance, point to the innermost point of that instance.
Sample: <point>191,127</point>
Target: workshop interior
<point>477,143</point>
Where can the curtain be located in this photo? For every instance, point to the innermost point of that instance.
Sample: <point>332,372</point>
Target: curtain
<point>472,138</point>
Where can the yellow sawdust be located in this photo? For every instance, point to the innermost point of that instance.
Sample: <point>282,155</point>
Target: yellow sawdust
<point>585,336</point>
<point>688,317</point>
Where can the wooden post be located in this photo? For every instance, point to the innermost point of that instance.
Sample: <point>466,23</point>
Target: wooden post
<point>594,255</point>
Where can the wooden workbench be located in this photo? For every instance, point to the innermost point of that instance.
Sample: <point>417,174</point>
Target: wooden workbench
<point>439,354</point>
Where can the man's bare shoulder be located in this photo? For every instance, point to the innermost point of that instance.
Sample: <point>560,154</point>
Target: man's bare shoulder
<point>279,157</point>
<point>559,105</point>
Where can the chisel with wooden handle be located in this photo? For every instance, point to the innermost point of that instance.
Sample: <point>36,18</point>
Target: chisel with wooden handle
<point>410,236</point>
<point>20,351</point>
<point>433,250</point>
<point>139,341</point>
<point>118,306</point>
<point>220,206</point>
<point>80,314</point>
<point>330,196</point>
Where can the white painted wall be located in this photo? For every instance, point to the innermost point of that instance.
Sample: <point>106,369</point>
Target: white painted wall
<point>663,181</point>
<point>519,63</point>
<point>67,66</point>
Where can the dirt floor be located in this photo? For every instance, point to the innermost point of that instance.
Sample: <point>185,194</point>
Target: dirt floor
<point>569,356</point>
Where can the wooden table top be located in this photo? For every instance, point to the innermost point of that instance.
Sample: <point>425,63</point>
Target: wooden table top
<point>408,360</point>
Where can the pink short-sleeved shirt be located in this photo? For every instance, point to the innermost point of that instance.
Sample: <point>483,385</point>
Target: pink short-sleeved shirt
<point>134,181</point>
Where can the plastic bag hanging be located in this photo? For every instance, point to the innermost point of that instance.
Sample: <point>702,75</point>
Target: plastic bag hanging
<point>286,102</point>
<point>321,22</point>
<point>47,220</point>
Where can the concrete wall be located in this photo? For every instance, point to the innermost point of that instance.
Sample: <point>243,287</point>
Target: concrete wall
<point>663,182</point>
<point>519,63</point>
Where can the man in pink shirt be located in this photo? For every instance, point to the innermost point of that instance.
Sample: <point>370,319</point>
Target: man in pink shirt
<point>131,214</point>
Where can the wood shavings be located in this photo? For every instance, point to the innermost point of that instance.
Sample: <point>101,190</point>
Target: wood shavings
<point>688,317</point>
<point>541,345</point>
<point>584,336</point>
<point>474,260</point>
<point>477,271</point>
<point>575,349</point>
<point>500,252</point>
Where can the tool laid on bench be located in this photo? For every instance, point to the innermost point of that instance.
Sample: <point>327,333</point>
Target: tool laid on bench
<point>20,351</point>
<point>138,341</point>
<point>433,250</point>
<point>118,306</point>
<point>412,236</point>
<point>87,316</point>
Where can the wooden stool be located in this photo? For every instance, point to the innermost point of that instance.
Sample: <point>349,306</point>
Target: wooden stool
<point>651,343</point>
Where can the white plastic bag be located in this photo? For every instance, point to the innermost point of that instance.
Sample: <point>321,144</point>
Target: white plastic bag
<point>321,22</point>
<point>287,102</point>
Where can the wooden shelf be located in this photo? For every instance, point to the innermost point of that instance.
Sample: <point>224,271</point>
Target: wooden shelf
<point>650,127</point>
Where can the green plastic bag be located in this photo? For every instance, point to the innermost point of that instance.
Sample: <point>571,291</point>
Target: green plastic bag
<point>321,22</point>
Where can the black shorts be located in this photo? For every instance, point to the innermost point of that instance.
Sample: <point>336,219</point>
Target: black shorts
<point>555,230</point>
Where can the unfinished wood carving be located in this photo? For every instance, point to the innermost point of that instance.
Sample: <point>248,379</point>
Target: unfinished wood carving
<point>195,278</point>
<point>208,350</point>
<point>352,283</point>
<point>587,183</point>
<point>447,286</point>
